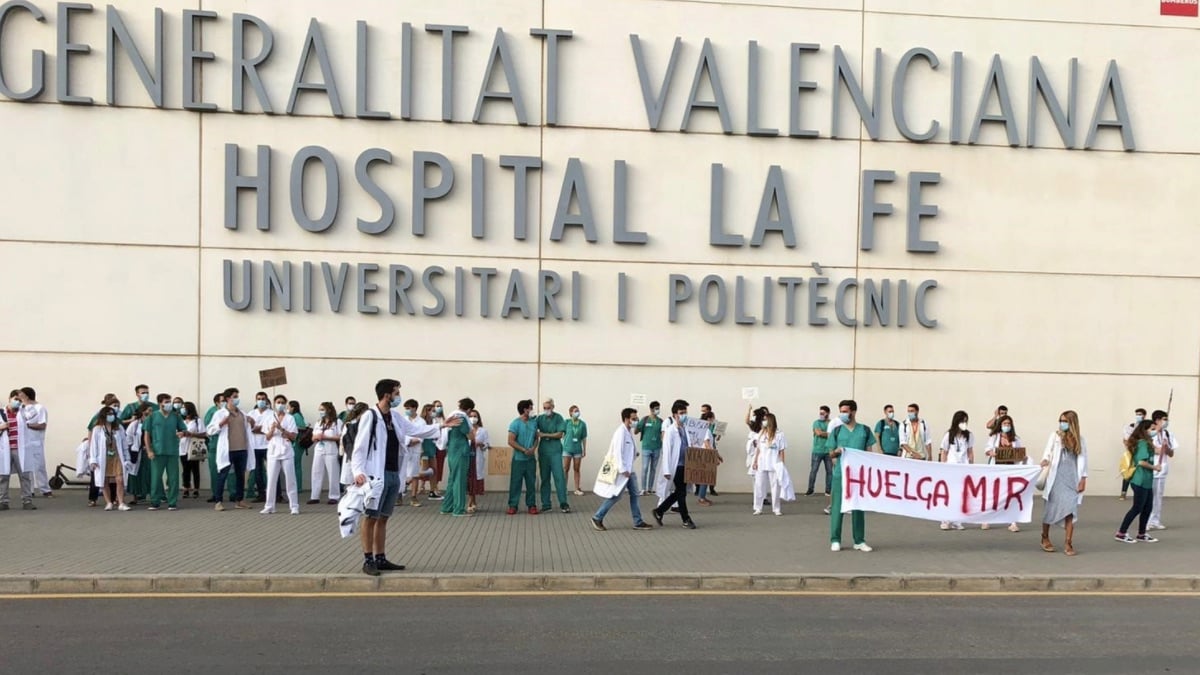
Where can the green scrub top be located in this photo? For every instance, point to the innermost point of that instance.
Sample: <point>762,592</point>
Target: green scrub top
<point>651,430</point>
<point>576,434</point>
<point>551,424</point>
<point>820,446</point>
<point>889,436</point>
<point>457,442</point>
<point>161,429</point>
<point>1142,477</point>
<point>526,432</point>
<point>860,438</point>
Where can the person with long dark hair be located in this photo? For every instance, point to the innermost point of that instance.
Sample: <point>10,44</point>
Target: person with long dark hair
<point>1004,437</point>
<point>1141,446</point>
<point>1066,455</point>
<point>191,467</point>
<point>958,447</point>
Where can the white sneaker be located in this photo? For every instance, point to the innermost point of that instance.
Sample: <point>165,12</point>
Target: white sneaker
<point>108,507</point>
<point>779,513</point>
<point>124,507</point>
<point>295,512</point>
<point>826,510</point>
<point>1014,528</point>
<point>757,512</point>
<point>835,547</point>
<point>945,526</point>
<point>1156,526</point>
<point>267,511</point>
<point>958,526</point>
<point>863,547</point>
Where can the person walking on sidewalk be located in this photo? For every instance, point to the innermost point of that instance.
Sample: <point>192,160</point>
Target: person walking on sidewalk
<point>12,458</point>
<point>1066,455</point>
<point>1141,446</point>
<point>1139,414</point>
<point>672,490</point>
<point>551,429</point>
<point>234,433</point>
<point>523,439</point>
<point>622,450</point>
<point>575,446</point>
<point>377,462</point>
<point>849,436</point>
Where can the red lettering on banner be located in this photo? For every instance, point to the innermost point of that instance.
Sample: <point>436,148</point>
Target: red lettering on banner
<point>1016,490</point>
<point>890,485</point>
<point>851,481</point>
<point>941,491</point>
<point>1179,8</point>
<point>972,490</point>
<point>995,493</point>
<point>923,493</point>
<point>875,487</point>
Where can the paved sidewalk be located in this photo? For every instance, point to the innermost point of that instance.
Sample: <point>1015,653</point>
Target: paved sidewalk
<point>64,538</point>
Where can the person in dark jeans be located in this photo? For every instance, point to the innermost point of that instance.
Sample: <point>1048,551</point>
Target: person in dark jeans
<point>1141,445</point>
<point>1138,416</point>
<point>820,452</point>
<point>675,453</point>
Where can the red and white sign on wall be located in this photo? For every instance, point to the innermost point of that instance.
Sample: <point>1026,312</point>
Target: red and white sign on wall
<point>1179,7</point>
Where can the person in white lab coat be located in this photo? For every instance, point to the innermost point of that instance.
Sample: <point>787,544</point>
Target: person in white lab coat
<point>12,456</point>
<point>235,434</point>
<point>33,435</point>
<point>767,465</point>
<point>326,434</point>
<point>108,457</point>
<point>1004,435</point>
<point>378,460</point>
<point>958,447</point>
<point>672,490</point>
<point>622,450</point>
<point>1165,445</point>
<point>1067,456</point>
<point>280,430</point>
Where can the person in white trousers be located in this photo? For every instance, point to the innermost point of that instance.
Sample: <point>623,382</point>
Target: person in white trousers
<point>958,447</point>
<point>280,430</point>
<point>769,450</point>
<point>32,420</point>
<point>1164,449</point>
<point>326,434</point>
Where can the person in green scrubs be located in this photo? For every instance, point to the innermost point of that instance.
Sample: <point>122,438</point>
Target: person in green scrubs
<point>523,439</point>
<point>849,437</point>
<point>887,430</point>
<point>575,446</point>
<point>820,453</point>
<point>551,428</point>
<point>298,452</point>
<point>459,443</point>
<point>139,485</point>
<point>650,430</point>
<point>162,429</point>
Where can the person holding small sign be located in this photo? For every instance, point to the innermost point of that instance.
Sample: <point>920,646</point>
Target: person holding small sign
<point>849,436</point>
<point>1001,449</point>
<point>767,465</point>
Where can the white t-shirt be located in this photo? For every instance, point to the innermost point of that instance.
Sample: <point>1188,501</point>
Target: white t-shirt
<point>1172,442</point>
<point>185,443</point>
<point>956,450</point>
<point>258,419</point>
<point>768,451</point>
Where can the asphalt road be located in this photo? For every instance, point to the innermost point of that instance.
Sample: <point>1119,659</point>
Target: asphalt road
<point>608,634</point>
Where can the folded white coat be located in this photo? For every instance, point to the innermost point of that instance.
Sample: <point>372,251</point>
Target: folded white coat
<point>351,508</point>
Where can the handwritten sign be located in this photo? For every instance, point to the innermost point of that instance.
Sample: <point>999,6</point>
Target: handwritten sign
<point>968,493</point>
<point>272,377</point>
<point>749,393</point>
<point>1010,455</point>
<point>700,467</point>
<point>637,400</point>
<point>500,461</point>
<point>720,430</point>
<point>697,431</point>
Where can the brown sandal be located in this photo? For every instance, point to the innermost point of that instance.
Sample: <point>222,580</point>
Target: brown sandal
<point>1047,546</point>
<point>1069,550</point>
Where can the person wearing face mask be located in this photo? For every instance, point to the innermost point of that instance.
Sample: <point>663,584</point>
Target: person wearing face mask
<point>1140,447</point>
<point>256,482</point>
<point>1004,436</point>
<point>767,465</point>
<point>33,431</point>
<point>915,441</point>
<point>349,435</point>
<point>108,458</point>
<point>1139,415</point>
<point>281,431</point>
<point>623,451</point>
<point>848,436</point>
<point>887,430</point>
<point>108,402</point>
<point>958,447</point>
<point>477,470</point>
<point>820,453</point>
<point>234,433</point>
<point>551,429</point>
<point>439,455</point>
<point>1066,455</point>
<point>298,452</point>
<point>12,456</point>
<point>1165,445</point>
<point>412,457</point>
<point>138,485</point>
<point>135,440</point>
<point>574,445</point>
<point>326,434</point>
<point>218,402</point>
<point>649,429</point>
<point>672,490</point>
<point>189,466</point>
<point>163,430</point>
<point>460,443</point>
<point>350,403</point>
<point>523,439</point>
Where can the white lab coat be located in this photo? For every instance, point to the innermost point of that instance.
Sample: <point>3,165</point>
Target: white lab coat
<point>257,419</point>
<point>1054,450</point>
<point>768,453</point>
<point>278,445</point>
<point>325,439</point>
<point>959,450</point>
<point>370,445</point>
<point>674,445</point>
<point>222,434</point>
<point>1172,443</point>
<point>623,450</point>
<point>98,453</point>
<point>482,443</point>
<point>9,417</point>
<point>133,443</point>
<point>34,442</point>
<point>906,437</point>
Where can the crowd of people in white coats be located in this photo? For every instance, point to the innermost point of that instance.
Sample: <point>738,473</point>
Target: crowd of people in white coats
<point>151,452</point>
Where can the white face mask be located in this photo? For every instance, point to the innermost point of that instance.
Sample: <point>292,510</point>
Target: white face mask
<point>962,426</point>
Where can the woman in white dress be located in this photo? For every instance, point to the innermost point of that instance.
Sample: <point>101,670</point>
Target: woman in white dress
<point>767,464</point>
<point>958,447</point>
<point>1004,436</point>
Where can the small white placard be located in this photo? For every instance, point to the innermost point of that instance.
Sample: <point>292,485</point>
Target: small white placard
<point>749,393</point>
<point>637,400</point>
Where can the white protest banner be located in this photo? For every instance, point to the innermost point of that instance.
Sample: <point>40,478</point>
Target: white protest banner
<point>697,432</point>
<point>749,393</point>
<point>966,493</point>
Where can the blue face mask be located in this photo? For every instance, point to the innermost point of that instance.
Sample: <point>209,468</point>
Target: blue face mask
<point>844,417</point>
<point>144,398</point>
<point>912,417</point>
<point>437,410</point>
<point>282,407</point>
<point>177,406</point>
<point>262,405</point>
<point>236,402</point>
<point>111,418</point>
<point>575,414</point>
<point>410,412</point>
<point>397,402</point>
<point>15,404</point>
<point>683,419</point>
<point>321,414</point>
<point>1064,426</point>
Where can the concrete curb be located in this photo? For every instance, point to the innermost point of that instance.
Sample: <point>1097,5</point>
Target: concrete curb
<point>218,584</point>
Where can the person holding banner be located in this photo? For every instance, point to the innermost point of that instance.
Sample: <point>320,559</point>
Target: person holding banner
<point>1141,445</point>
<point>1066,456</point>
<point>958,447</point>
<point>1004,437</point>
<point>622,478</point>
<point>849,436</point>
<point>767,465</point>
<point>915,442</point>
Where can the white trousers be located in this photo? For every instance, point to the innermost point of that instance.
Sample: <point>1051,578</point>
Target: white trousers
<point>322,466</point>
<point>1160,486</point>
<point>289,472</point>
<point>763,484</point>
<point>35,457</point>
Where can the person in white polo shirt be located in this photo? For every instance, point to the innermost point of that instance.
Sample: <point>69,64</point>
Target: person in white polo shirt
<point>1165,445</point>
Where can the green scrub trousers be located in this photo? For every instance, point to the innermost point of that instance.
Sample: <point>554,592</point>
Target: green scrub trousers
<point>550,461</point>
<point>858,520</point>
<point>168,464</point>
<point>522,471</point>
<point>455,493</point>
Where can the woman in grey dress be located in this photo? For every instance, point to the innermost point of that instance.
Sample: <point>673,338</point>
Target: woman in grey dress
<point>1066,455</point>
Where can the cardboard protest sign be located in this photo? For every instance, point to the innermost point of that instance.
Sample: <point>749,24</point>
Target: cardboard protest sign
<point>700,468</point>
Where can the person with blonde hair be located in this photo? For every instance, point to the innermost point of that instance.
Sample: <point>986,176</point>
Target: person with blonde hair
<point>767,465</point>
<point>1066,455</point>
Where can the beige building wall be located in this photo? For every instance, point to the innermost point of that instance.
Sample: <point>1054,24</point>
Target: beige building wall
<point>1065,279</point>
